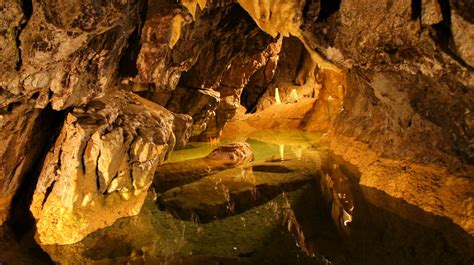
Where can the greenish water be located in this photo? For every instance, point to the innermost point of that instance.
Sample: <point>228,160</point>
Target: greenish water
<point>265,145</point>
<point>287,217</point>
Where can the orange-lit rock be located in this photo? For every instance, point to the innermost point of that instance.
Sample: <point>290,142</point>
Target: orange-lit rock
<point>101,166</point>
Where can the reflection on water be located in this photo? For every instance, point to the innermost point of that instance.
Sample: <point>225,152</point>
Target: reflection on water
<point>295,204</point>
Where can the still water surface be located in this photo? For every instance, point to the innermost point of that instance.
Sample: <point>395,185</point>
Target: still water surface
<point>295,204</point>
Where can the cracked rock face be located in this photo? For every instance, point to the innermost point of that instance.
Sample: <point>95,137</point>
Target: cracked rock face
<point>75,56</point>
<point>101,166</point>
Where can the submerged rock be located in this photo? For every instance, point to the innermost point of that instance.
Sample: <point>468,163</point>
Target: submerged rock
<point>229,192</point>
<point>172,175</point>
<point>101,166</point>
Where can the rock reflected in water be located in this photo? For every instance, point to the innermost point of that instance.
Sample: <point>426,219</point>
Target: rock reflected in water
<point>296,225</point>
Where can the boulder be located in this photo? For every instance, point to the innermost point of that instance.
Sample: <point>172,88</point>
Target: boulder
<point>101,166</point>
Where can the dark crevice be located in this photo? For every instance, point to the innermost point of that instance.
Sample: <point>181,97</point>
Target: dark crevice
<point>35,95</point>
<point>12,106</point>
<point>27,6</point>
<point>48,191</point>
<point>130,161</point>
<point>328,7</point>
<point>110,183</point>
<point>97,173</point>
<point>127,64</point>
<point>45,133</point>
<point>306,8</point>
<point>21,221</point>
<point>415,9</point>
<point>83,153</point>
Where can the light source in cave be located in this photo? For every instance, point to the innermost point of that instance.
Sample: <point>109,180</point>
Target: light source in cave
<point>277,96</point>
<point>282,152</point>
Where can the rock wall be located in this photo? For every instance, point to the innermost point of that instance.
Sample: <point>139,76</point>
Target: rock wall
<point>407,59</point>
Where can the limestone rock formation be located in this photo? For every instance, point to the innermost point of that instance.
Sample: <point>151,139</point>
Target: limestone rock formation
<point>101,166</point>
<point>95,95</point>
<point>11,21</point>
<point>74,56</point>
<point>200,104</point>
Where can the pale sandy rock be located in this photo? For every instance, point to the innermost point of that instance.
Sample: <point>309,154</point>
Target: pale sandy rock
<point>430,12</point>
<point>101,166</point>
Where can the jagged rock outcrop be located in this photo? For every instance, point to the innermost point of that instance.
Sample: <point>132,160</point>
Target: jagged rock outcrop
<point>188,51</point>
<point>200,104</point>
<point>101,166</point>
<point>407,73</point>
<point>227,62</point>
<point>383,44</point>
<point>48,59</point>
<point>75,56</point>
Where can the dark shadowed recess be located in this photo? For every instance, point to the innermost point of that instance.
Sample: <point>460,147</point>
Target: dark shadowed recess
<point>20,226</point>
<point>415,9</point>
<point>127,64</point>
<point>328,7</point>
<point>27,6</point>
